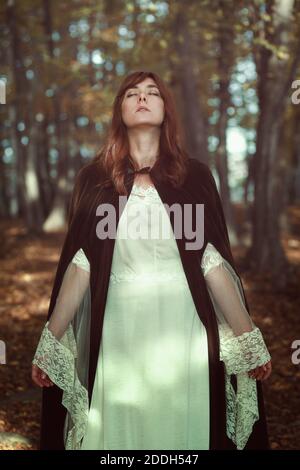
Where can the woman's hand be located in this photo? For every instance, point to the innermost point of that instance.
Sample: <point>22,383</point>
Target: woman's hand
<point>39,377</point>
<point>261,372</point>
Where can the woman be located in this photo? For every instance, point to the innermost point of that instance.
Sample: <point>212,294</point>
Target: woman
<point>148,342</point>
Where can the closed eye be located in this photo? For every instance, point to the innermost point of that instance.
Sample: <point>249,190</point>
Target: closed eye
<point>132,94</point>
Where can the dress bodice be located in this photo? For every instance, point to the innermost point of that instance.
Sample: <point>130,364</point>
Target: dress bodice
<point>145,245</point>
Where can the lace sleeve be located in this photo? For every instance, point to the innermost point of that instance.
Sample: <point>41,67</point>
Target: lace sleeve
<point>242,347</point>
<point>60,345</point>
<point>74,285</point>
<point>81,260</point>
<point>239,332</point>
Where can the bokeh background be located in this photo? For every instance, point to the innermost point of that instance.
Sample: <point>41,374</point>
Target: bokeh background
<point>234,69</point>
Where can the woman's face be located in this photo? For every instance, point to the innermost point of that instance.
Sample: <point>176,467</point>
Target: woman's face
<point>144,94</point>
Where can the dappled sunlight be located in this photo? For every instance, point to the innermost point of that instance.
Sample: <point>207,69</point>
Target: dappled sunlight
<point>95,415</point>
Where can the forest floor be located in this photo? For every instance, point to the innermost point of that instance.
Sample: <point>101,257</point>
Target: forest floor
<point>28,266</point>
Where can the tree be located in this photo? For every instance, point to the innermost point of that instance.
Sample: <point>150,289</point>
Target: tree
<point>276,67</point>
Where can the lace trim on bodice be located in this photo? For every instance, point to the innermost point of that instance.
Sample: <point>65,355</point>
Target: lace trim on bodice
<point>148,193</point>
<point>116,278</point>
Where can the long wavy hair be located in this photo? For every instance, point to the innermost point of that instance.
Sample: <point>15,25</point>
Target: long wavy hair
<point>172,157</point>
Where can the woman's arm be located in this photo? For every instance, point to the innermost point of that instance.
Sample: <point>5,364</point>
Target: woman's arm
<point>75,283</point>
<point>73,288</point>
<point>232,314</point>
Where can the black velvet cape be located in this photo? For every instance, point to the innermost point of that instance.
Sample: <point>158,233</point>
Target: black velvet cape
<point>199,187</point>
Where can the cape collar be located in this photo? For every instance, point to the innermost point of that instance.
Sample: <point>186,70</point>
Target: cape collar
<point>154,173</point>
<point>130,168</point>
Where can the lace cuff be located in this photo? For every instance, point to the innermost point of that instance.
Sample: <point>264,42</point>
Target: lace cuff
<point>57,359</point>
<point>241,354</point>
<point>242,347</point>
<point>244,352</point>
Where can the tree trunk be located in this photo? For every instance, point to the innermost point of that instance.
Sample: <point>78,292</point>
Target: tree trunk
<point>225,59</point>
<point>16,108</point>
<point>57,216</point>
<point>34,210</point>
<point>195,121</point>
<point>273,91</point>
<point>296,183</point>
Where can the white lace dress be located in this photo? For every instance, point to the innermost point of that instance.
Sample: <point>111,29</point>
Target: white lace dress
<point>151,388</point>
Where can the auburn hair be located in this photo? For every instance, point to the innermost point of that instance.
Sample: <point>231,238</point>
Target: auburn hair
<point>172,157</point>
